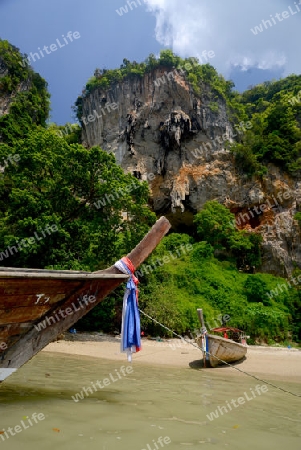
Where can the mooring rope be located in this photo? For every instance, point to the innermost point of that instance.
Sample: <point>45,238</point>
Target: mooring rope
<point>224,362</point>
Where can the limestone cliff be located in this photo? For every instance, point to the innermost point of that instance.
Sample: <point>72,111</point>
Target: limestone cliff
<point>7,98</point>
<point>161,127</point>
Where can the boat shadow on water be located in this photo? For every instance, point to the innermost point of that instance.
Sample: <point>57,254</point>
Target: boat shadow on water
<point>18,393</point>
<point>199,364</point>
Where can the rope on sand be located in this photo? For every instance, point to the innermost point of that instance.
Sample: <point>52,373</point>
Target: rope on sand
<point>224,362</point>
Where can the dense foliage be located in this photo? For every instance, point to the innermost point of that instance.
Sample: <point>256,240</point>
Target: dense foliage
<point>172,292</point>
<point>274,109</point>
<point>55,181</point>
<point>215,224</point>
<point>58,183</point>
<point>30,105</point>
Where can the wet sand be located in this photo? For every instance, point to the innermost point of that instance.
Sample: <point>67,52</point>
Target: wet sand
<point>273,362</point>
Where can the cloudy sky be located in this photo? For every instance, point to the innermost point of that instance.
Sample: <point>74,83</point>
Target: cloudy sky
<point>191,27</point>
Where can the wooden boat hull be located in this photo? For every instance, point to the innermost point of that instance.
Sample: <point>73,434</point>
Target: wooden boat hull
<point>38,305</point>
<point>223,349</point>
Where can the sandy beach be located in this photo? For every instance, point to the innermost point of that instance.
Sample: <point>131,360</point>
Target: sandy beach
<point>275,363</point>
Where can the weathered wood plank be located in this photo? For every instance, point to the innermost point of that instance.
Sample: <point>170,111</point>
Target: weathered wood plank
<point>33,341</point>
<point>35,286</point>
<point>149,242</point>
<point>57,275</point>
<point>14,329</point>
<point>147,245</point>
<point>20,314</point>
<point>9,301</point>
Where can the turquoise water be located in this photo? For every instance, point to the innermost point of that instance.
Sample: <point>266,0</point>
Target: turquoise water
<point>133,411</point>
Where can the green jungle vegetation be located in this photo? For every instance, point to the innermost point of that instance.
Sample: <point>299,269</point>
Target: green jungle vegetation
<point>58,181</point>
<point>171,292</point>
<point>274,109</point>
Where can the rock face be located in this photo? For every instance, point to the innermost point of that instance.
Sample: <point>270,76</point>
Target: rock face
<point>157,129</point>
<point>164,133</point>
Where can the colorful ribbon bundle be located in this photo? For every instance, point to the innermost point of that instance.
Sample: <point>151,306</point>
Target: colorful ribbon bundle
<point>130,328</point>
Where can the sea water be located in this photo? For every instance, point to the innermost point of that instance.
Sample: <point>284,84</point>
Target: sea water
<point>148,407</point>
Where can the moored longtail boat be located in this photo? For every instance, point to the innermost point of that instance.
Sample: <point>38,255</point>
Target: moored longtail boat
<point>217,349</point>
<point>38,305</point>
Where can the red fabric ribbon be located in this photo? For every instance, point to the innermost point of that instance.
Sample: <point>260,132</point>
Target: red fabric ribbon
<point>131,267</point>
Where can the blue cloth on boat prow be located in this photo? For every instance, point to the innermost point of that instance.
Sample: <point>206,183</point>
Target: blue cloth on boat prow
<point>130,328</point>
<point>131,332</point>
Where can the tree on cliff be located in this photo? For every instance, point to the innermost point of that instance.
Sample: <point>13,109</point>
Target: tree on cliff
<point>215,225</point>
<point>29,106</point>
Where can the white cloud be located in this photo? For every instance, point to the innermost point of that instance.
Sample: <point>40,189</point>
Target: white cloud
<point>192,26</point>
